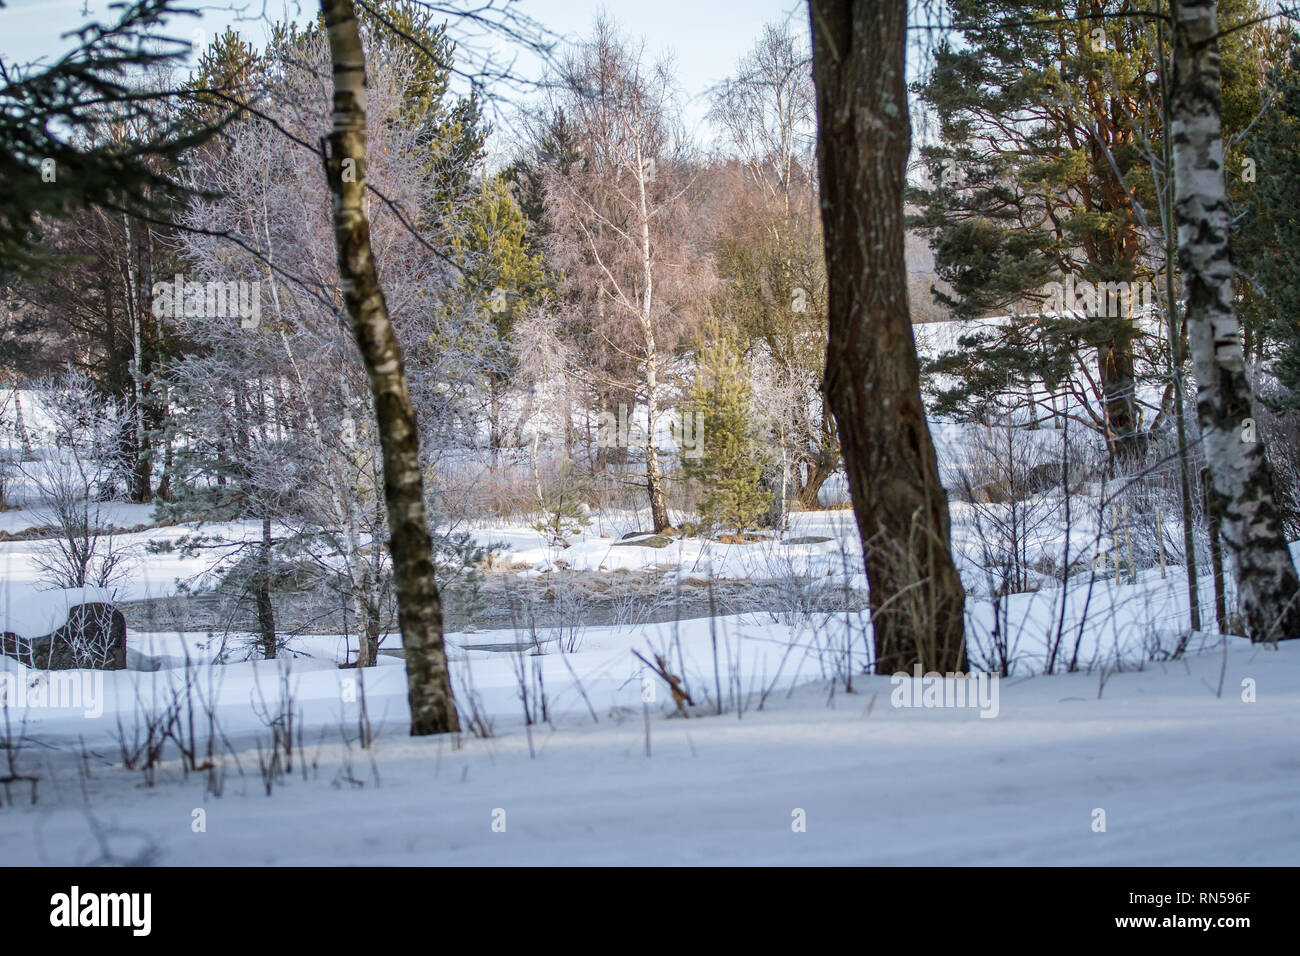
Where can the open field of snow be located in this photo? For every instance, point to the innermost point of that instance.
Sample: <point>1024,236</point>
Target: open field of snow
<point>1183,775</point>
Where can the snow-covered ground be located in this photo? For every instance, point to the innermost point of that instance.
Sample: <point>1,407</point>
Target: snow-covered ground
<point>820,552</point>
<point>786,753</point>
<point>1191,761</point>
<point>1183,774</point>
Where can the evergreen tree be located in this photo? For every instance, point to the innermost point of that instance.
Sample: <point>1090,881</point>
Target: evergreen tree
<point>500,279</point>
<point>552,146</point>
<point>54,153</point>
<point>730,464</point>
<point>230,73</point>
<point>453,128</point>
<point>1046,137</point>
<point>1267,241</point>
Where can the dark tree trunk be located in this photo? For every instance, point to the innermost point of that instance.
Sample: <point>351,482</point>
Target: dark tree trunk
<point>371,639</point>
<point>265,609</point>
<point>419,608</point>
<point>1115,374</point>
<point>1216,557</point>
<point>164,490</point>
<point>872,376</point>
<point>820,469</point>
<point>494,426</point>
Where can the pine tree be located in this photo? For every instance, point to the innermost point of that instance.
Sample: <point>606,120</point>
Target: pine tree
<point>730,463</point>
<point>500,279</point>
<point>1047,133</point>
<point>54,154</point>
<point>454,131</point>
<point>1266,242</point>
<point>230,73</point>
<point>551,148</point>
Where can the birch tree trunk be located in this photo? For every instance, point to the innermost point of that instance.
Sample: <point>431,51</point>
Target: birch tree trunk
<point>419,608</point>
<point>139,282</point>
<point>654,476</point>
<point>872,376</point>
<point>24,439</point>
<point>1242,482</point>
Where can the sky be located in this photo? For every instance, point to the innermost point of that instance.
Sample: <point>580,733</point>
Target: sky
<point>705,38</point>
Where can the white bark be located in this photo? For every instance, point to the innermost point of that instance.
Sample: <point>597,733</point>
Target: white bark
<point>1242,491</point>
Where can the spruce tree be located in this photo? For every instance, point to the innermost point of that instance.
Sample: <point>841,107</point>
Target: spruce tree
<point>499,280</point>
<point>730,463</point>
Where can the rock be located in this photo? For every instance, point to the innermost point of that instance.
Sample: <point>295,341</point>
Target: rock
<point>137,661</point>
<point>808,539</point>
<point>739,538</point>
<point>652,541</point>
<point>94,636</point>
<point>992,493</point>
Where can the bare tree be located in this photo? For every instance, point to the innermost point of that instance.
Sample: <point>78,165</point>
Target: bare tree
<point>620,227</point>
<point>84,456</point>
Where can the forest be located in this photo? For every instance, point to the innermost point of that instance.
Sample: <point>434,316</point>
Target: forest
<point>397,384</point>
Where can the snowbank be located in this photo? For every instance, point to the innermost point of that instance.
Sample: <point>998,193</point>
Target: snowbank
<point>32,613</point>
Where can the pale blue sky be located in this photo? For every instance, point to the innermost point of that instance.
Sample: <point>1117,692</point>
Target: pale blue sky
<point>706,37</point>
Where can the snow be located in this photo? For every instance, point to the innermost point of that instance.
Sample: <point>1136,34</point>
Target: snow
<point>148,573</point>
<point>761,560</point>
<point>1193,761</point>
<point>1185,776</point>
<point>114,514</point>
<point>30,613</point>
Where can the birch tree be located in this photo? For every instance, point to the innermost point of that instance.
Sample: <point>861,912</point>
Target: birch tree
<point>1268,589</point>
<point>433,708</point>
<point>620,230</point>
